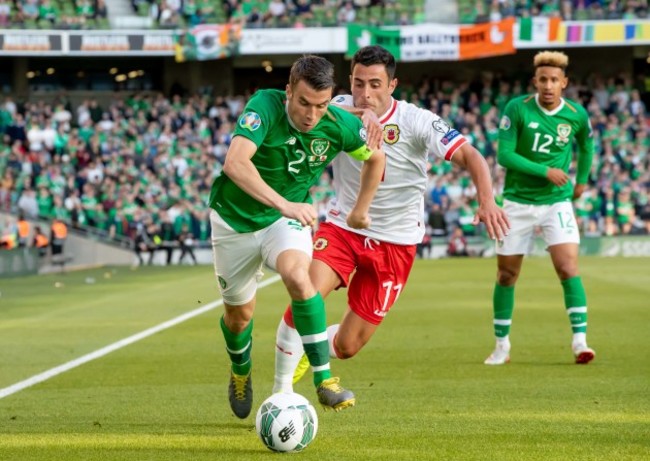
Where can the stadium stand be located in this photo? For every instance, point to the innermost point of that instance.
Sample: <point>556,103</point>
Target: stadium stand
<point>476,11</point>
<point>54,14</point>
<point>140,167</point>
<point>145,164</point>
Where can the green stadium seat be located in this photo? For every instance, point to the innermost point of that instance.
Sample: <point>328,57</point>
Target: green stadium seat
<point>103,23</point>
<point>143,9</point>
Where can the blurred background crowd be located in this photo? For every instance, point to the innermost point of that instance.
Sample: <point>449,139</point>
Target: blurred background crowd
<point>143,165</point>
<point>139,168</point>
<point>93,14</point>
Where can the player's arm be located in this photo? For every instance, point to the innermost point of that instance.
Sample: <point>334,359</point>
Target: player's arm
<point>240,169</point>
<point>585,141</point>
<point>495,220</point>
<point>372,172</point>
<point>509,158</point>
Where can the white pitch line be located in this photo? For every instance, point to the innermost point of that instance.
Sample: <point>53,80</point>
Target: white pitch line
<point>52,372</point>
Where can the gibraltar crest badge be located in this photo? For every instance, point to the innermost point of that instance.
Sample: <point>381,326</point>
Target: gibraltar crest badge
<point>391,134</point>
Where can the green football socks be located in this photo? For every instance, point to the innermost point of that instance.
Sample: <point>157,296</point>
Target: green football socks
<point>503,303</point>
<point>575,301</point>
<point>239,348</point>
<point>309,319</point>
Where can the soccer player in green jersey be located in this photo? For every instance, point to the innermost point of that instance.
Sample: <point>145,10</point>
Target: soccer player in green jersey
<point>262,215</point>
<point>536,135</point>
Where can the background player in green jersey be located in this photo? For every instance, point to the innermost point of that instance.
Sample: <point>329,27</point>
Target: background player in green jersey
<point>536,135</point>
<point>261,215</point>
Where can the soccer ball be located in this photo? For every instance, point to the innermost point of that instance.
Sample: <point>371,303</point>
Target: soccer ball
<point>286,422</point>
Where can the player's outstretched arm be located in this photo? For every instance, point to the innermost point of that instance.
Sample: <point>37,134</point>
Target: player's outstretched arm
<point>371,173</point>
<point>241,170</point>
<point>495,219</point>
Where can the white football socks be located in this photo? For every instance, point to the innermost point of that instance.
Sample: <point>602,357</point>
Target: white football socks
<point>288,351</point>
<point>503,343</point>
<point>332,330</point>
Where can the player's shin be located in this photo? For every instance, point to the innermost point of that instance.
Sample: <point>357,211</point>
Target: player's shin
<point>288,351</point>
<point>503,303</point>
<point>575,302</point>
<point>238,346</point>
<point>309,318</point>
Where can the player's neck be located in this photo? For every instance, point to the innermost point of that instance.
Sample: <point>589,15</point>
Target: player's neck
<point>381,113</point>
<point>549,107</point>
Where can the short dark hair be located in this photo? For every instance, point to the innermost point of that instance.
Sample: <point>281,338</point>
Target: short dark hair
<point>375,54</point>
<point>317,72</point>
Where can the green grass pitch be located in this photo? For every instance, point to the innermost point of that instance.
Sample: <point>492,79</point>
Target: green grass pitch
<point>422,390</point>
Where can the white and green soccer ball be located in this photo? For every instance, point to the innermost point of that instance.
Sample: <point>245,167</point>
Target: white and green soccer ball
<point>286,422</point>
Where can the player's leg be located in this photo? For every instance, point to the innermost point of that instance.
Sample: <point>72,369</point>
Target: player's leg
<point>565,261</point>
<point>563,240</point>
<point>503,304</point>
<point>334,259</point>
<point>237,262</point>
<point>382,272</point>
<point>290,362</point>
<point>289,252</point>
<point>510,254</point>
<point>348,338</point>
<point>237,328</point>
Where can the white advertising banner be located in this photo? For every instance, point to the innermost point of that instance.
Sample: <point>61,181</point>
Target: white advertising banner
<point>293,41</point>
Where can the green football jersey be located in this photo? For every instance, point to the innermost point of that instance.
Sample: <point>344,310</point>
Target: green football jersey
<point>288,160</point>
<point>532,139</point>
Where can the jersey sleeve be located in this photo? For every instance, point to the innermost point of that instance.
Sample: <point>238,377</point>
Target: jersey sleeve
<point>353,136</point>
<point>256,118</point>
<point>507,156</point>
<point>585,141</point>
<point>437,135</point>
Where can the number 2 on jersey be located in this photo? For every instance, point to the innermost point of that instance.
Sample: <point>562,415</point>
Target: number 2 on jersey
<point>302,158</point>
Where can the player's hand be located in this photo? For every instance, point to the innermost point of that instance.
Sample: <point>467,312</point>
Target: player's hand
<point>358,220</point>
<point>557,176</point>
<point>304,213</point>
<point>578,190</point>
<point>374,131</point>
<point>495,219</point>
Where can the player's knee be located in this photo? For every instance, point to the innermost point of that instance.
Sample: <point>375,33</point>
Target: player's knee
<point>566,271</point>
<point>237,321</point>
<point>507,276</point>
<point>346,349</point>
<point>298,284</point>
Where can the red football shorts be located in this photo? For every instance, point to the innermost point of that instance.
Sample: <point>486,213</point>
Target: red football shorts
<point>381,269</point>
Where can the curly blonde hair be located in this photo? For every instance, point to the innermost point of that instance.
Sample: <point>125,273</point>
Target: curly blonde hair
<point>551,59</point>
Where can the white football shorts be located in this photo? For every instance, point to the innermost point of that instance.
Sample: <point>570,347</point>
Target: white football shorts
<point>239,257</point>
<point>557,223</point>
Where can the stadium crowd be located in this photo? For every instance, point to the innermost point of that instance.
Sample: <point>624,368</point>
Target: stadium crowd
<point>89,14</point>
<point>472,11</point>
<point>53,14</point>
<point>142,166</point>
<point>332,13</point>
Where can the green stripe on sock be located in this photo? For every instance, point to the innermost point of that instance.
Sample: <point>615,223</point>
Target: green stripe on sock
<point>310,319</point>
<point>575,296</point>
<point>503,304</point>
<point>241,361</point>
